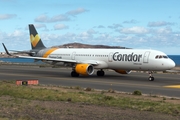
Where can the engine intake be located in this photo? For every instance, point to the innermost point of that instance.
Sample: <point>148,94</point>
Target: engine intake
<point>123,71</point>
<point>84,69</point>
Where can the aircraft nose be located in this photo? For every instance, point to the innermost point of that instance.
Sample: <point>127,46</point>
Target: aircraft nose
<point>171,64</point>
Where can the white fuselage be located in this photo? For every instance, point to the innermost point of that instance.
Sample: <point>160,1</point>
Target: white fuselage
<point>126,59</point>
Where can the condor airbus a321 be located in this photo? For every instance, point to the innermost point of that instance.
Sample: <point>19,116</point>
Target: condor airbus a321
<point>84,61</point>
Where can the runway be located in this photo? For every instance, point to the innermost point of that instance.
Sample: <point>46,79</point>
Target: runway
<point>164,84</point>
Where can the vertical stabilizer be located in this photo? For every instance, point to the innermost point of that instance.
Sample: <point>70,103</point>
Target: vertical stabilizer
<point>36,42</point>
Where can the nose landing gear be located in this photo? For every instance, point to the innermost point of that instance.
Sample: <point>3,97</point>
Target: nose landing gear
<point>151,78</point>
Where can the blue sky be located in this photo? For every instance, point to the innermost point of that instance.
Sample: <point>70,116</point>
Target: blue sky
<point>138,24</point>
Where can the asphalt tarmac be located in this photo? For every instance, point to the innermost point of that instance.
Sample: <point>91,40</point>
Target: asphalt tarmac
<point>163,85</point>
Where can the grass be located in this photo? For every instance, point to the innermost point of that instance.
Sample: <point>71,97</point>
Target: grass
<point>78,94</point>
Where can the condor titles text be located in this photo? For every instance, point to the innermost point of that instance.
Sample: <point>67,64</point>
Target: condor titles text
<point>127,57</point>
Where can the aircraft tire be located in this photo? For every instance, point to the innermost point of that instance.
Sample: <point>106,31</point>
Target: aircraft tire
<point>151,78</point>
<point>74,74</point>
<point>100,73</point>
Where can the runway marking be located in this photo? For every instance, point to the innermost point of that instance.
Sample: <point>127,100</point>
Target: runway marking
<point>173,86</point>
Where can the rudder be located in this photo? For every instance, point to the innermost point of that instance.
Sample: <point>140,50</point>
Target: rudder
<point>36,42</point>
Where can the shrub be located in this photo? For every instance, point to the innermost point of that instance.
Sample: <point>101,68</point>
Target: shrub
<point>137,92</point>
<point>77,87</point>
<point>88,89</point>
<point>69,99</point>
<point>108,98</point>
<point>111,91</point>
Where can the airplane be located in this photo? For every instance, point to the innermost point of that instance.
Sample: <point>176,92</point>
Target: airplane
<point>84,61</point>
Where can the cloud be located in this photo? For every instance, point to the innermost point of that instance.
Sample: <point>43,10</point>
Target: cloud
<point>41,18</point>
<point>7,16</point>
<point>131,21</point>
<point>134,30</point>
<point>40,25</point>
<point>17,33</point>
<point>15,40</point>
<point>86,37</point>
<point>76,11</point>
<point>3,36</point>
<point>60,27</point>
<point>100,26</point>
<point>57,18</point>
<point>115,26</point>
<point>159,24</point>
<point>156,39</point>
<point>91,31</point>
<point>37,26</point>
<point>164,31</point>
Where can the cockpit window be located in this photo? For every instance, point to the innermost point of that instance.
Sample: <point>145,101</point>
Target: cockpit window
<point>161,56</point>
<point>165,56</point>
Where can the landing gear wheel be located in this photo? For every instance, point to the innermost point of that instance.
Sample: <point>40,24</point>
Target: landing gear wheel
<point>151,78</point>
<point>74,74</point>
<point>100,73</point>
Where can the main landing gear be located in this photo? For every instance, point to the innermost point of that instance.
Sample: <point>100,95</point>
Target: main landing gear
<point>100,73</point>
<point>74,74</point>
<point>151,78</point>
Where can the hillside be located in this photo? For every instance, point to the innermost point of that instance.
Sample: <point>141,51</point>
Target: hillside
<point>80,45</point>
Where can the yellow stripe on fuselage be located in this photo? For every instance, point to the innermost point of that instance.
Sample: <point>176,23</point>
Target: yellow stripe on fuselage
<point>173,86</point>
<point>49,52</point>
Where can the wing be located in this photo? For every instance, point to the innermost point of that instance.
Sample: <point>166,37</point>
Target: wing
<point>7,52</point>
<point>92,62</point>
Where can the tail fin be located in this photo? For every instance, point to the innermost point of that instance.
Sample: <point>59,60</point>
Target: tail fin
<point>36,42</point>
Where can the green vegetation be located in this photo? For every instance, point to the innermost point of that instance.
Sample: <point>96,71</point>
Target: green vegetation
<point>80,95</point>
<point>137,92</point>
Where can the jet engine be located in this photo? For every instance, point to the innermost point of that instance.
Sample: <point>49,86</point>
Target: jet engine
<point>123,71</point>
<point>84,69</point>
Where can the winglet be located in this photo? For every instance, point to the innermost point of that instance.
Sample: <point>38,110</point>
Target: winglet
<point>7,52</point>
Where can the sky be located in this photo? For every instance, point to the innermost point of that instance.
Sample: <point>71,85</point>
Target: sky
<point>140,24</point>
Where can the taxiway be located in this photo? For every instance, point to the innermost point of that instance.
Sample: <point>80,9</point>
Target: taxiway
<point>164,84</point>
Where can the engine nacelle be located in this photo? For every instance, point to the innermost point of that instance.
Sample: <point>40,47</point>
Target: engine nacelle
<point>84,69</point>
<point>123,71</point>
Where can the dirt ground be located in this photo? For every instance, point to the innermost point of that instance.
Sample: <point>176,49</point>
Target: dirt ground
<point>48,110</point>
<point>23,109</point>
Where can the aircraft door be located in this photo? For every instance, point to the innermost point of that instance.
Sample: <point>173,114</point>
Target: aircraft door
<point>73,55</point>
<point>146,57</point>
<point>110,57</point>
